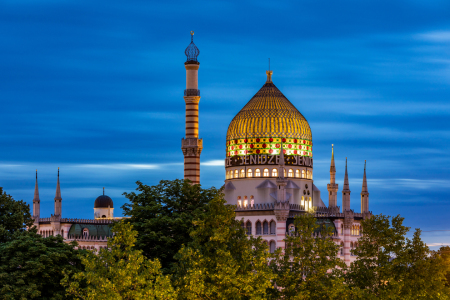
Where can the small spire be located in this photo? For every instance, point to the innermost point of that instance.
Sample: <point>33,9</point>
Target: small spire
<point>36,190</point>
<point>269,76</point>
<point>281,155</point>
<point>364,184</point>
<point>58,189</point>
<point>346,185</point>
<point>103,191</point>
<point>332,165</point>
<point>192,51</point>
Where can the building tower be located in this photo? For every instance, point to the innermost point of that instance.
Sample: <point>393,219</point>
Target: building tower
<point>332,187</point>
<point>191,145</point>
<point>364,193</point>
<point>36,202</point>
<point>58,198</point>
<point>346,191</point>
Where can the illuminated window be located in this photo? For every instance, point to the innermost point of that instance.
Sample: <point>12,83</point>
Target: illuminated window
<point>231,174</point>
<point>236,173</point>
<point>310,202</point>
<point>291,173</point>
<point>342,228</point>
<point>297,173</point>
<point>257,173</point>
<point>302,203</point>
<point>309,174</point>
<point>239,202</point>
<point>252,201</point>
<point>258,228</point>
<point>303,174</point>
<point>242,173</point>
<point>245,203</point>
<point>249,173</point>
<point>284,172</point>
<point>85,232</point>
<point>274,173</point>
<point>266,173</point>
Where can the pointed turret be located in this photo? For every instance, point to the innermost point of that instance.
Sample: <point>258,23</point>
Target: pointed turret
<point>364,193</point>
<point>58,198</point>
<point>332,187</point>
<point>36,201</point>
<point>346,191</point>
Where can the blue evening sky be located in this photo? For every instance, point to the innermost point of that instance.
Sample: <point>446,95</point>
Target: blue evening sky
<point>96,88</point>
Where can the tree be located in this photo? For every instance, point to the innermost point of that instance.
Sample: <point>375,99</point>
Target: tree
<point>14,217</point>
<point>444,253</point>
<point>120,272</point>
<point>309,267</point>
<point>163,216</point>
<point>31,267</point>
<point>391,266</point>
<point>221,262</point>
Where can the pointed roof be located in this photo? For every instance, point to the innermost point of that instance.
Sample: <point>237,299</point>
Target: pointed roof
<point>36,190</point>
<point>269,114</point>
<point>364,184</point>
<point>346,185</point>
<point>58,189</point>
<point>332,166</point>
<point>192,51</point>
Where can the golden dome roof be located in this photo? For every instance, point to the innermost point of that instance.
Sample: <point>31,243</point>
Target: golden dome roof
<point>269,114</point>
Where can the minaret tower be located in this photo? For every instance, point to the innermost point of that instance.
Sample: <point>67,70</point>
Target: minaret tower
<point>364,193</point>
<point>332,187</point>
<point>36,202</point>
<point>58,199</point>
<point>346,191</point>
<point>191,145</point>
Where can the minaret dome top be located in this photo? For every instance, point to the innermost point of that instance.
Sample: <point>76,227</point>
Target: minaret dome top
<point>192,51</point>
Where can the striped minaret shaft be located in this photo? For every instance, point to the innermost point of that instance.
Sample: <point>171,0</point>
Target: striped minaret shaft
<point>191,145</point>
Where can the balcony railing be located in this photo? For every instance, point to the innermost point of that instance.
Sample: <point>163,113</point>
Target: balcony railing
<point>192,92</point>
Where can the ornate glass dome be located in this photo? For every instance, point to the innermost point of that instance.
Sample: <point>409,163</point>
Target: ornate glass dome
<point>265,122</point>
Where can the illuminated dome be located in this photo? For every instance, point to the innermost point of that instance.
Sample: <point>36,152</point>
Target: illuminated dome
<point>265,122</point>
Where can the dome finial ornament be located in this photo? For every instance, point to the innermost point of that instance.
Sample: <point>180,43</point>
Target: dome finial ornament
<point>192,51</point>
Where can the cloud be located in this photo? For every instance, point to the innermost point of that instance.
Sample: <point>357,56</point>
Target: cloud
<point>214,163</point>
<point>435,36</point>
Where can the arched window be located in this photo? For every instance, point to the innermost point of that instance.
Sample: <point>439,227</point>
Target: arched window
<point>265,227</point>
<point>258,228</point>
<point>272,246</point>
<point>236,173</point>
<point>291,173</point>
<point>342,248</point>
<point>242,224</point>
<point>231,174</point>
<point>249,173</point>
<point>297,173</point>
<point>274,173</point>
<point>245,201</point>
<point>62,232</point>
<point>303,174</point>
<point>252,201</point>
<point>309,174</point>
<point>291,228</point>
<point>306,203</point>
<point>85,232</point>
<point>249,228</point>
<point>310,202</point>
<point>239,202</point>
<point>266,172</point>
<point>342,229</point>
<point>302,203</point>
<point>273,227</point>
<point>284,172</point>
<point>242,173</point>
<point>257,173</point>
<point>353,230</point>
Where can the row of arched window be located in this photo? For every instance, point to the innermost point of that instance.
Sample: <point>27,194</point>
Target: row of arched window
<point>354,230</point>
<point>91,247</point>
<point>245,203</point>
<point>47,233</point>
<point>353,246</point>
<point>263,228</point>
<point>266,173</point>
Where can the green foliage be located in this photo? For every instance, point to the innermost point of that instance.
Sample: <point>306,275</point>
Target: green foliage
<point>31,267</point>
<point>163,216</point>
<point>120,272</point>
<point>444,253</point>
<point>14,217</point>
<point>221,262</point>
<point>309,267</point>
<point>391,266</point>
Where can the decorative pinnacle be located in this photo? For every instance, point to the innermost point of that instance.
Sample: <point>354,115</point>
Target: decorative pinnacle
<point>58,189</point>
<point>192,51</point>
<point>364,184</point>
<point>332,165</point>
<point>269,76</point>
<point>36,190</point>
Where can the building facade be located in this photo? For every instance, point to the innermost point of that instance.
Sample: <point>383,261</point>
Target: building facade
<point>269,172</point>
